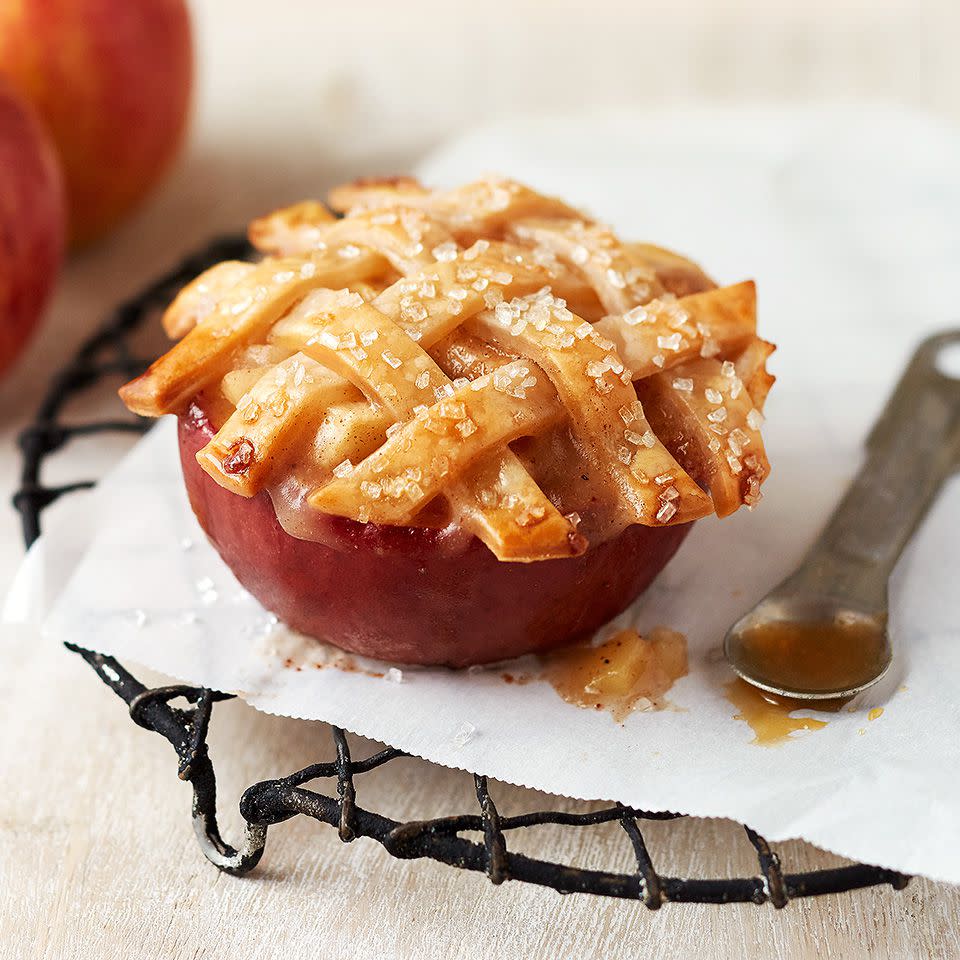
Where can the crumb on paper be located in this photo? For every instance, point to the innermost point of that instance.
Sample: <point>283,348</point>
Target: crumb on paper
<point>295,651</point>
<point>520,679</point>
<point>770,717</point>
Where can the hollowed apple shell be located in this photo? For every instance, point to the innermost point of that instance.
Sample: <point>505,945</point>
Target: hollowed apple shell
<point>416,595</point>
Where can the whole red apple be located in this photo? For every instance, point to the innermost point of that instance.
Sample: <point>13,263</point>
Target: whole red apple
<point>32,222</point>
<point>112,80</point>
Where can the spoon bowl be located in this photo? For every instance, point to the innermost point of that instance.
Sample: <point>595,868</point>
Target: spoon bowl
<point>809,648</point>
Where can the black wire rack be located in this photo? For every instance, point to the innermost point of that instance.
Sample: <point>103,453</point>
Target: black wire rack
<point>109,354</point>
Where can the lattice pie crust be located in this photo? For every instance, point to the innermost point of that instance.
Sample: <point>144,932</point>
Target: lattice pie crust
<point>484,356</point>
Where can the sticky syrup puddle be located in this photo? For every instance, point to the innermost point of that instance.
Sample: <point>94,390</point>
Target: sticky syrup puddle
<point>769,716</point>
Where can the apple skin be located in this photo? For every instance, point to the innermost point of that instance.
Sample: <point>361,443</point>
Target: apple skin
<point>112,80</point>
<point>32,222</point>
<point>413,595</point>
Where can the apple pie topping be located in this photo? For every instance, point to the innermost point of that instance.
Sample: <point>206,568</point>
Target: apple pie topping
<point>487,349</point>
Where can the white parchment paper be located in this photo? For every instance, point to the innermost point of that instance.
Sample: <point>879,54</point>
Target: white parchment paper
<point>125,570</point>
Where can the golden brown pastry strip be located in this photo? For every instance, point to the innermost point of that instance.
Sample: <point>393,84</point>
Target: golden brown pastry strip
<point>200,298</point>
<point>665,331</point>
<point>751,367</point>
<point>620,279</point>
<point>705,416</point>
<point>253,305</point>
<point>676,274</point>
<point>292,229</point>
<point>482,208</point>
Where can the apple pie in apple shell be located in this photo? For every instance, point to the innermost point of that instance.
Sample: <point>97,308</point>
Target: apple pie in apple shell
<point>455,426</point>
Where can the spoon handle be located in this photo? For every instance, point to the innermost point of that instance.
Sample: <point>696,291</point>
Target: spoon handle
<point>912,449</point>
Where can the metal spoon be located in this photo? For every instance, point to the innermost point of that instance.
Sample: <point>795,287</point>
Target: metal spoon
<point>839,593</point>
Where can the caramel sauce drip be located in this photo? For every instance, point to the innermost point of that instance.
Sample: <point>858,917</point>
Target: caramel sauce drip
<point>769,715</point>
<point>619,673</point>
<point>814,656</point>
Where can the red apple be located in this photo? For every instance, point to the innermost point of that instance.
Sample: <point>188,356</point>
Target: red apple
<point>415,595</point>
<point>112,80</point>
<point>32,222</point>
